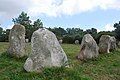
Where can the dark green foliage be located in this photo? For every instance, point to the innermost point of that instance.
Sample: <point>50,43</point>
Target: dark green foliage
<point>4,35</point>
<point>24,20</point>
<point>59,32</point>
<point>1,33</point>
<point>68,39</point>
<point>37,24</point>
<point>78,37</point>
<point>117,30</point>
<point>68,36</point>
<point>72,31</point>
<point>1,29</point>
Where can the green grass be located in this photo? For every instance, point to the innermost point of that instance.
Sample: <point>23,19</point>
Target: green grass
<point>105,67</point>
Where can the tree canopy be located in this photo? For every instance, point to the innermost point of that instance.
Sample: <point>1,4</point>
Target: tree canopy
<point>117,30</point>
<point>68,35</point>
<point>24,20</point>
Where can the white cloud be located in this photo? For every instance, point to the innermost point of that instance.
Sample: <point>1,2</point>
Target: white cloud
<point>70,7</point>
<point>54,7</point>
<point>12,8</point>
<point>109,27</point>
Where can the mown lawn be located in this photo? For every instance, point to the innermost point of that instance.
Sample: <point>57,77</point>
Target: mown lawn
<point>106,67</point>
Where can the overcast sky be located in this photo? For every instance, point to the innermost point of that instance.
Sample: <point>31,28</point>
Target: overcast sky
<point>85,14</point>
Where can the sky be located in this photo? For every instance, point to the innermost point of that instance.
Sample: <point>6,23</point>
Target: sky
<point>83,14</point>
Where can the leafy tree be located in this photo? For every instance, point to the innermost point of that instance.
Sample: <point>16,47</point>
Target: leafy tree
<point>59,32</point>
<point>1,31</point>
<point>73,34</point>
<point>73,31</point>
<point>78,37</point>
<point>24,20</point>
<point>68,39</point>
<point>4,35</point>
<point>117,30</point>
<point>37,24</point>
<point>91,31</point>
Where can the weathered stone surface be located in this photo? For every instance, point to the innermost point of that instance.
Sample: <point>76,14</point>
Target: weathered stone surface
<point>17,41</point>
<point>76,41</point>
<point>106,44</point>
<point>60,41</point>
<point>113,43</point>
<point>46,51</point>
<point>89,48</point>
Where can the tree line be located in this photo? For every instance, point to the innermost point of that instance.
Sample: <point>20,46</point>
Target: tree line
<point>68,35</point>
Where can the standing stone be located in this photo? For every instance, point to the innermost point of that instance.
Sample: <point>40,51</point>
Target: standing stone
<point>104,44</point>
<point>89,48</point>
<point>113,43</point>
<point>17,41</point>
<point>46,51</point>
<point>76,41</point>
<point>60,41</point>
<point>107,44</point>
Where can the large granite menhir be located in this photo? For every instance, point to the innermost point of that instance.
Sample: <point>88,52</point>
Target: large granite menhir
<point>107,44</point>
<point>89,48</point>
<point>17,41</point>
<point>113,43</point>
<point>46,52</point>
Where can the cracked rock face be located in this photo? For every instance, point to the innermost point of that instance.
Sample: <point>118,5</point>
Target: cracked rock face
<point>17,41</point>
<point>89,48</point>
<point>46,51</point>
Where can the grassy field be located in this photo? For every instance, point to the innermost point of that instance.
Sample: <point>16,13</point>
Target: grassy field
<point>106,67</point>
